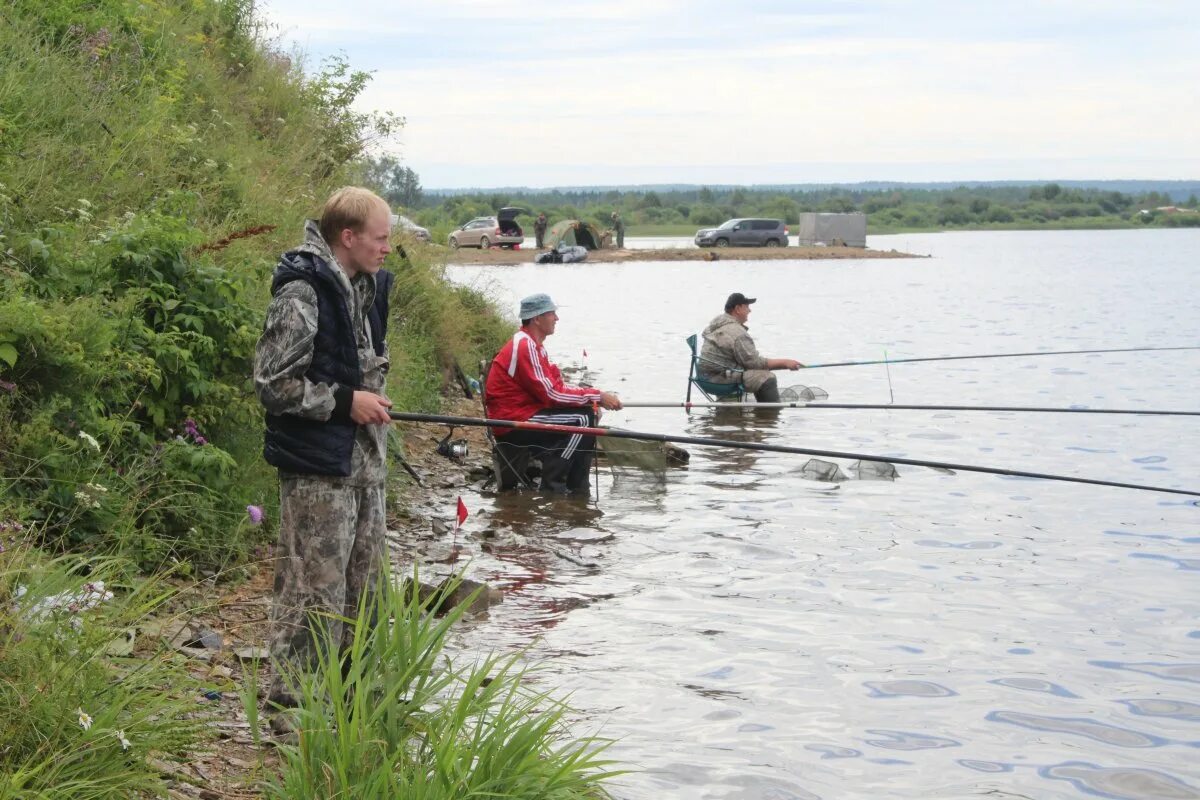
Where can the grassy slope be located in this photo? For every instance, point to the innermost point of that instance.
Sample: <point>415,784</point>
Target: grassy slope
<point>132,135</point>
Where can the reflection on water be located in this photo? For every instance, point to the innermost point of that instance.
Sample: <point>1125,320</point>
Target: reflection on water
<point>744,632</point>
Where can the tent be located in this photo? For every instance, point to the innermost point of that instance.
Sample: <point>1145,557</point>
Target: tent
<point>848,230</point>
<point>574,232</point>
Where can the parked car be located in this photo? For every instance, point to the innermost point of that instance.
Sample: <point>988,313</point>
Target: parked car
<point>406,226</point>
<point>745,233</point>
<point>483,232</point>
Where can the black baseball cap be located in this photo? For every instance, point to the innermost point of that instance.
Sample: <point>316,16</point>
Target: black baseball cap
<point>737,299</point>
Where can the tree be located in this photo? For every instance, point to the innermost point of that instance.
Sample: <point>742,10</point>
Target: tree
<point>392,181</point>
<point>706,196</point>
<point>650,200</point>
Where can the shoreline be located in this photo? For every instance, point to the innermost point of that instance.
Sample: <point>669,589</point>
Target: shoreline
<point>499,257</point>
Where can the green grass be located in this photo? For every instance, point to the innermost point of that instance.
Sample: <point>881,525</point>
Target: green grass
<point>394,716</point>
<point>79,715</point>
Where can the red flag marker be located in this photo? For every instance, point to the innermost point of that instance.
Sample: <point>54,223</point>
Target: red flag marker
<point>461,515</point>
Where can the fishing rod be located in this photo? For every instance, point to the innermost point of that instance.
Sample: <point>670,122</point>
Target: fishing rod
<point>993,355</point>
<point>617,433</point>
<point>912,407</point>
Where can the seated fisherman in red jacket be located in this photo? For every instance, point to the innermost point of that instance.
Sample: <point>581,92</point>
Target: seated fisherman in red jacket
<point>523,385</point>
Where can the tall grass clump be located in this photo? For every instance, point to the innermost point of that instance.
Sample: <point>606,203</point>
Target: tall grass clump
<point>392,716</point>
<point>80,716</point>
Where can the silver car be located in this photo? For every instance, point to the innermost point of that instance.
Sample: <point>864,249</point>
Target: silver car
<point>745,233</point>
<point>483,232</point>
<point>403,224</point>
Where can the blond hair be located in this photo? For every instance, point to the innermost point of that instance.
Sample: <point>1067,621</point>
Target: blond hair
<point>348,207</point>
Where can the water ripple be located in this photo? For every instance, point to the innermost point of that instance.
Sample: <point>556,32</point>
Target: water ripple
<point>907,689</point>
<point>1190,564</point>
<point>1159,707</point>
<point>1189,672</point>
<point>985,766</point>
<point>833,751</point>
<point>1035,685</point>
<point>1099,731</point>
<point>905,740</point>
<point>1121,783</point>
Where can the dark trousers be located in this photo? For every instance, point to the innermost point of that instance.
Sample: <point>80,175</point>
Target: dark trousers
<point>768,392</point>
<point>541,238</point>
<point>566,457</point>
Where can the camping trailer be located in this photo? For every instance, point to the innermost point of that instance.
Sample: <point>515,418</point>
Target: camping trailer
<point>848,230</point>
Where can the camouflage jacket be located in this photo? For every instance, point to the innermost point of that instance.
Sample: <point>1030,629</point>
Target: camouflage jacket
<point>285,351</point>
<point>727,345</point>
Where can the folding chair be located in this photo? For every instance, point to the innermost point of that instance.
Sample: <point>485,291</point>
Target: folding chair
<point>510,464</point>
<point>713,391</point>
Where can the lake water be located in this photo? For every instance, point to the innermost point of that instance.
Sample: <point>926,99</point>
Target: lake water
<point>746,633</point>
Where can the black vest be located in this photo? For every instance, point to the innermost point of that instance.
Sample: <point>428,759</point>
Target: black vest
<point>305,446</point>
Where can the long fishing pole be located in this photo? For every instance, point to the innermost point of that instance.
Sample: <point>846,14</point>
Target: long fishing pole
<point>617,433</point>
<point>993,355</point>
<point>914,407</point>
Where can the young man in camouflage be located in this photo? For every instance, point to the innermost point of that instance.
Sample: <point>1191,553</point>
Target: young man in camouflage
<point>729,353</point>
<point>320,370</point>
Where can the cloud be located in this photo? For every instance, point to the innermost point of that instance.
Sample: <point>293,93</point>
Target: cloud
<point>672,88</point>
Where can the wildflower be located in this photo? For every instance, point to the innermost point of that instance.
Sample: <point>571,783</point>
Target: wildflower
<point>125,743</point>
<point>85,720</point>
<point>86,499</point>
<point>255,513</point>
<point>8,386</point>
<point>97,488</point>
<point>87,437</point>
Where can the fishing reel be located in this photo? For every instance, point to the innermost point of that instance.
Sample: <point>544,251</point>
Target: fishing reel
<point>456,450</point>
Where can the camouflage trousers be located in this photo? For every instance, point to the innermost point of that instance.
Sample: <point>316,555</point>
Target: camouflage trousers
<point>332,549</point>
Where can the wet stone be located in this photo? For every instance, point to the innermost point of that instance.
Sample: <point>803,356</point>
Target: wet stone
<point>252,653</point>
<point>583,535</point>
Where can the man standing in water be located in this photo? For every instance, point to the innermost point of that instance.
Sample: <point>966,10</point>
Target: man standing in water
<point>618,227</point>
<point>524,385</point>
<point>730,353</point>
<point>320,371</point>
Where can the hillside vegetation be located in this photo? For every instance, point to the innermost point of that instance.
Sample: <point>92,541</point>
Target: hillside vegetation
<point>155,158</point>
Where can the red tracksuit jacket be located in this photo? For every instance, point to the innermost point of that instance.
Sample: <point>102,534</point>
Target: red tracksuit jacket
<point>522,381</point>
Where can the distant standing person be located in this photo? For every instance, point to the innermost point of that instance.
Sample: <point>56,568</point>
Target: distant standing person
<point>539,230</point>
<point>729,352</point>
<point>618,227</point>
<point>319,371</point>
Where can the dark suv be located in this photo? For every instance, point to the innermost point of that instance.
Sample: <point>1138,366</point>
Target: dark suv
<point>745,233</point>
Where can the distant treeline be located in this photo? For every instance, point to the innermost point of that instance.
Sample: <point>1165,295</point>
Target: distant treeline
<point>1049,205</point>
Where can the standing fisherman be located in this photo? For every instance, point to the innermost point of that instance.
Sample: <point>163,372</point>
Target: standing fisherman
<point>618,227</point>
<point>320,371</point>
<point>539,230</point>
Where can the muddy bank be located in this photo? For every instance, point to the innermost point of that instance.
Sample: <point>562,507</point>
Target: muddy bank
<point>496,255</point>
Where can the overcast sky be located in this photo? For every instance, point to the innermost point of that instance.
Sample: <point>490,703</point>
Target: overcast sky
<point>603,92</point>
